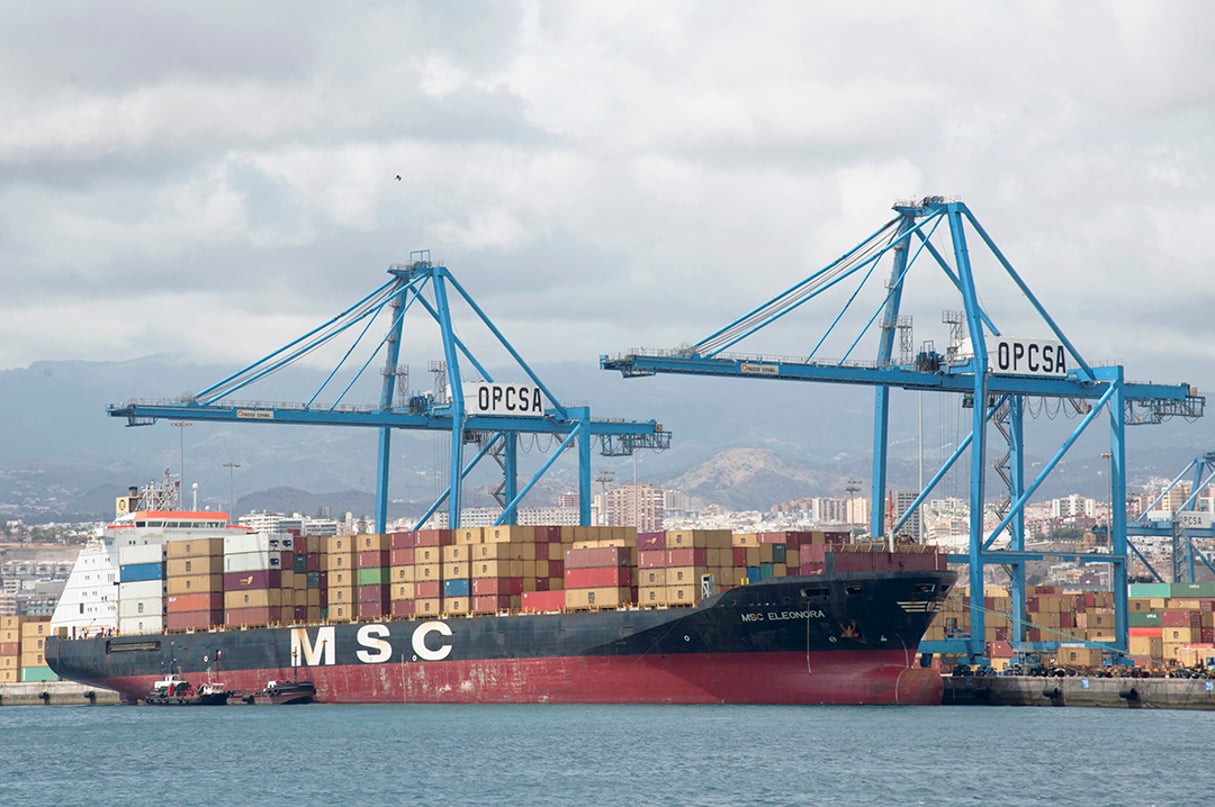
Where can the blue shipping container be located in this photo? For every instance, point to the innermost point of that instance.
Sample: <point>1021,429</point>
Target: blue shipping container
<point>456,588</point>
<point>135,572</point>
<point>753,573</point>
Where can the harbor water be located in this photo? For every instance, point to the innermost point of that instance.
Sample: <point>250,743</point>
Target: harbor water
<point>604,755</point>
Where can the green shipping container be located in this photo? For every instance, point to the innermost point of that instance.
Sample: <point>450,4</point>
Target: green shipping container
<point>1186,590</point>
<point>1150,590</point>
<point>378,576</point>
<point>314,579</point>
<point>301,563</point>
<point>38,674</point>
<point>765,571</point>
<point>778,553</point>
<point>1143,619</point>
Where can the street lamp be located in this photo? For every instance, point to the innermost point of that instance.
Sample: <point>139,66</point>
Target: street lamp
<point>181,427</point>
<point>231,466</point>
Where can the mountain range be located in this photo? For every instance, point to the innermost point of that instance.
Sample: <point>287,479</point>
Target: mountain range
<point>738,443</point>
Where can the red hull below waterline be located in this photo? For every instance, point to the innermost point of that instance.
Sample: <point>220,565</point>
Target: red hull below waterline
<point>839,678</point>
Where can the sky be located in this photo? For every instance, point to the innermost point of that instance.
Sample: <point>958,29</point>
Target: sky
<point>209,181</point>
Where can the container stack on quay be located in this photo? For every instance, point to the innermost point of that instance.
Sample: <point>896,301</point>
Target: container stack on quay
<point>1168,624</point>
<point>22,642</point>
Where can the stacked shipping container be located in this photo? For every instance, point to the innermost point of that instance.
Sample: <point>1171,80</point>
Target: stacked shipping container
<point>194,583</point>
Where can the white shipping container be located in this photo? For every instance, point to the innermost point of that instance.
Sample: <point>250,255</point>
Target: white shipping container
<point>253,561</point>
<point>142,553</point>
<point>257,542</point>
<point>150,623</point>
<point>140,589</point>
<point>140,606</point>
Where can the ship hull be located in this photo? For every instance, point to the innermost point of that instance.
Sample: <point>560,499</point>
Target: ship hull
<point>850,639</point>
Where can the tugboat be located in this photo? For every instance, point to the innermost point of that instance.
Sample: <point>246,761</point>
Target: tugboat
<point>172,691</point>
<point>283,693</point>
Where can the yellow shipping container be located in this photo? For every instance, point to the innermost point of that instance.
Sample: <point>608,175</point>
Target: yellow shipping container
<point>257,598</point>
<point>455,553</point>
<point>10,636</point>
<point>1078,656</point>
<point>1150,647</point>
<point>39,627</point>
<point>456,606</point>
<point>514,534</point>
<point>556,551</point>
<point>203,564</point>
<point>194,548</point>
<point>195,584</point>
<point>344,612</point>
<point>1139,605</point>
<point>496,551</point>
<point>652,595</point>
<point>427,607</point>
<point>426,572</point>
<point>339,545</point>
<point>32,659</point>
<point>401,574</point>
<point>485,569</point>
<point>401,591</point>
<point>372,542</point>
<point>314,598</point>
<point>1179,635</point>
<point>8,662</point>
<point>466,536</point>
<point>336,562</point>
<point>9,676</point>
<point>10,622</point>
<point>653,578</point>
<point>343,579</point>
<point>683,594</point>
<point>427,554</point>
<point>455,571</point>
<point>605,597</point>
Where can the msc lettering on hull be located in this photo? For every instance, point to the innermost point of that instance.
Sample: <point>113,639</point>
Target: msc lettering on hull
<point>1037,357</point>
<point>430,641</point>
<point>481,398</point>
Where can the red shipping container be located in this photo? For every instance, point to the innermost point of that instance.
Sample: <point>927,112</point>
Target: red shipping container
<point>184,603</point>
<point>1181,619</point>
<point>651,540</point>
<point>428,590</point>
<point>687,557</point>
<point>10,649</point>
<point>600,577</point>
<point>236,617</point>
<point>1207,635</point>
<point>300,612</point>
<point>488,603</point>
<point>402,608</point>
<point>194,620</point>
<point>652,559</point>
<point>401,540</point>
<point>261,579</point>
<point>401,557</point>
<point>324,597</point>
<point>372,559</point>
<point>543,601</point>
<point>432,538</point>
<point>486,586</point>
<point>814,552</point>
<point>376,593</point>
<point>810,567</point>
<point>1137,631</point>
<point>739,556</point>
<point>372,610</point>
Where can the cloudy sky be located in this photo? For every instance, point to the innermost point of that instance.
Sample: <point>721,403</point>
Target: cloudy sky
<point>212,180</point>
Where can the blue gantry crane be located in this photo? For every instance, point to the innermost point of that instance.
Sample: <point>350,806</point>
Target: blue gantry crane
<point>1182,525</point>
<point>993,372</point>
<point>486,414</point>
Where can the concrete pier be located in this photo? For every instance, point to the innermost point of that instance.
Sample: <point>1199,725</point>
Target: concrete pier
<point>1117,693</point>
<point>55,693</point>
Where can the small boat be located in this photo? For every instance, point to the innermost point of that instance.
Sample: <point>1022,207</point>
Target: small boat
<point>172,691</point>
<point>283,693</point>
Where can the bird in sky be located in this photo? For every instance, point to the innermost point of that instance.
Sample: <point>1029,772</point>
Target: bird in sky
<point>398,177</point>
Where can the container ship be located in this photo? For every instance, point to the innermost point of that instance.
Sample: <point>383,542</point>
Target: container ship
<point>511,614</point>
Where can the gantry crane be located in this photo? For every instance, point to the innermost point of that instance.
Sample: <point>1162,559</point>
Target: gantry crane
<point>1183,525</point>
<point>994,374</point>
<point>482,413</point>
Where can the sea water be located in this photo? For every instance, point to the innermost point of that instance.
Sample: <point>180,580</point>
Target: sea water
<point>604,755</point>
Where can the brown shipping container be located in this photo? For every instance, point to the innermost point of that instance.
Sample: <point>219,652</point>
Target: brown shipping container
<point>207,564</point>
<point>194,548</point>
<point>314,598</point>
<point>264,615</point>
<point>401,540</point>
<point>195,584</point>
<point>254,598</point>
<point>492,603</point>
<point>187,603</point>
<point>374,609</point>
<point>490,586</point>
<point>402,609</point>
<point>194,620</point>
